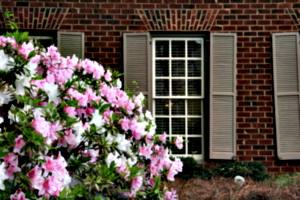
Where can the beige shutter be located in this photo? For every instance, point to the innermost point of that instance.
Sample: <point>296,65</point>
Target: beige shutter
<point>70,43</point>
<point>286,94</point>
<point>223,96</point>
<point>137,64</point>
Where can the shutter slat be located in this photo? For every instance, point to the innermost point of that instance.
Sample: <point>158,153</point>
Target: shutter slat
<point>136,63</point>
<point>71,43</point>
<point>286,94</point>
<point>223,96</point>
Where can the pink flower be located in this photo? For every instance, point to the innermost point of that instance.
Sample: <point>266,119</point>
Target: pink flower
<point>123,170</point>
<point>50,187</point>
<point>19,195</point>
<point>11,158</point>
<point>179,142</point>
<point>171,195</point>
<point>125,123</point>
<point>136,183</point>
<point>145,151</point>
<point>55,166</point>
<point>19,145</point>
<point>163,138</point>
<point>36,178</point>
<point>107,76</point>
<point>41,126</point>
<point>70,111</point>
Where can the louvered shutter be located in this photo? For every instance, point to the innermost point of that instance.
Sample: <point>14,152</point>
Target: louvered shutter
<point>223,96</point>
<point>70,43</point>
<point>137,64</point>
<point>286,94</point>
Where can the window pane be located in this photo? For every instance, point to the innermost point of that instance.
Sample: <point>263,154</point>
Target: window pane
<point>194,68</point>
<point>195,146</point>
<point>178,48</point>
<point>46,42</point>
<point>178,126</point>
<point>178,87</point>
<point>175,150</point>
<point>162,125</point>
<point>194,87</point>
<point>194,48</point>
<point>162,49</point>
<point>194,106</point>
<point>162,87</point>
<point>162,107</point>
<point>194,126</point>
<point>162,68</point>
<point>178,68</point>
<point>178,107</point>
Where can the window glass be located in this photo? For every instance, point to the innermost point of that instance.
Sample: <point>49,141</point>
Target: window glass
<point>178,91</point>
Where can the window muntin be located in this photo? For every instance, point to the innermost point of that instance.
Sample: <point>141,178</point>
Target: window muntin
<point>178,91</point>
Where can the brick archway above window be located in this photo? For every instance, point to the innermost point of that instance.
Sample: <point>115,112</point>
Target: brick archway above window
<point>178,19</point>
<point>295,15</point>
<point>35,18</point>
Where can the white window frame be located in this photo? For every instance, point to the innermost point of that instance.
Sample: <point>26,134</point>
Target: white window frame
<point>185,97</point>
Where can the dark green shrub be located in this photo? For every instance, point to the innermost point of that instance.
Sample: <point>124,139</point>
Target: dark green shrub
<point>254,170</point>
<point>191,169</point>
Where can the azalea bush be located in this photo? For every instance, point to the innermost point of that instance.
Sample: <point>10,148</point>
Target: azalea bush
<point>68,130</point>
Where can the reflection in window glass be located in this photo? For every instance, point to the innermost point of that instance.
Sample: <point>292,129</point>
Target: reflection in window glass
<point>194,126</point>
<point>162,49</point>
<point>178,87</point>
<point>162,106</point>
<point>194,87</point>
<point>178,126</point>
<point>178,106</point>
<point>195,145</point>
<point>162,87</point>
<point>194,68</point>
<point>162,125</point>
<point>178,48</point>
<point>162,68</point>
<point>194,48</point>
<point>194,106</point>
<point>178,68</point>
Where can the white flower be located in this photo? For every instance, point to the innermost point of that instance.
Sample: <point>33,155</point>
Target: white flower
<point>21,82</point>
<point>113,157</point>
<point>31,68</point>
<point>11,116</point>
<point>1,120</point>
<point>5,97</point>
<point>98,121</point>
<point>52,91</point>
<point>148,115</point>
<point>119,83</point>
<point>239,180</point>
<point>4,60</point>
<point>3,176</point>
<point>79,129</point>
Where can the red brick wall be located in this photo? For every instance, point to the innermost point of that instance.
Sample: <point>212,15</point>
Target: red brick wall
<point>104,22</point>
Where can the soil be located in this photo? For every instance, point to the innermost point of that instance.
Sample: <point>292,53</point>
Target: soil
<point>226,189</point>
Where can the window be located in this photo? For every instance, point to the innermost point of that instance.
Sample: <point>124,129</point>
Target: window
<point>286,69</point>
<point>178,91</point>
<point>68,43</point>
<point>169,71</point>
<point>45,41</point>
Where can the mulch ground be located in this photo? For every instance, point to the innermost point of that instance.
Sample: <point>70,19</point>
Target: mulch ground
<point>226,189</point>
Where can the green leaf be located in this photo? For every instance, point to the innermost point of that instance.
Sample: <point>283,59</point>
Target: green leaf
<point>31,54</point>
<point>103,107</point>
